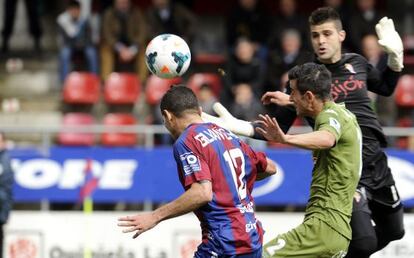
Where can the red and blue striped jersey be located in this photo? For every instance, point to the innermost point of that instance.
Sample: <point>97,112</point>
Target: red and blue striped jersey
<point>209,152</point>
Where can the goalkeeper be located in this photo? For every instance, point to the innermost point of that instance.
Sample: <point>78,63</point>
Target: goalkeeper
<point>376,198</point>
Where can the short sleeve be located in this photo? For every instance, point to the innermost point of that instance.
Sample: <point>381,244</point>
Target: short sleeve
<point>328,121</point>
<point>258,159</point>
<point>191,166</point>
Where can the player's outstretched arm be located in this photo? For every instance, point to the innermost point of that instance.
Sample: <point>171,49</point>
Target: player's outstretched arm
<point>276,97</point>
<point>196,196</point>
<point>228,121</point>
<point>391,42</point>
<point>313,141</point>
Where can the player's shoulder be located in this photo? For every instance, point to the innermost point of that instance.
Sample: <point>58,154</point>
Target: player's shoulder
<point>333,110</point>
<point>186,136</point>
<point>353,57</point>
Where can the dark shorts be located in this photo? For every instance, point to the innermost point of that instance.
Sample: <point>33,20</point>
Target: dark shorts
<point>386,197</point>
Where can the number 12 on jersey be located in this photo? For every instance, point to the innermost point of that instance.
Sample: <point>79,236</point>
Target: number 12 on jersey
<point>231,157</point>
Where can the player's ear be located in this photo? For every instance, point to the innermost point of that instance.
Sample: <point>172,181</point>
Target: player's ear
<point>200,110</point>
<point>309,96</point>
<point>167,115</point>
<point>342,35</point>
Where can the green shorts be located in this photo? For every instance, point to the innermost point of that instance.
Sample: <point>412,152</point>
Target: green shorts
<point>311,239</point>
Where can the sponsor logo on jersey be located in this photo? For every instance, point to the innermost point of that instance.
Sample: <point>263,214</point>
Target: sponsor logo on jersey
<point>344,88</point>
<point>248,207</point>
<point>251,226</point>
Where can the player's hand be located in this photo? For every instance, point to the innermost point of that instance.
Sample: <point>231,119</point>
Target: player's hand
<point>276,97</point>
<point>270,129</point>
<point>138,223</point>
<point>228,121</point>
<point>391,42</point>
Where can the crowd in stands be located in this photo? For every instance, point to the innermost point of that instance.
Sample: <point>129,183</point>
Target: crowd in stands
<point>262,45</point>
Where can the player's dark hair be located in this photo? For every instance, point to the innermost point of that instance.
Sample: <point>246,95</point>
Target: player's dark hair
<point>312,77</point>
<point>325,14</point>
<point>179,100</point>
<point>73,4</point>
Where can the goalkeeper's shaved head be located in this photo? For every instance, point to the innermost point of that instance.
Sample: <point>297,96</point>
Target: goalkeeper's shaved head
<point>325,14</point>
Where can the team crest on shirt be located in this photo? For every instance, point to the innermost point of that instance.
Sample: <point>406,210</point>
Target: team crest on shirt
<point>350,68</point>
<point>190,163</point>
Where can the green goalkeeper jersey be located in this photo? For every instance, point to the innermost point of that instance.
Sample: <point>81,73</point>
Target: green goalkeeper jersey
<point>336,170</point>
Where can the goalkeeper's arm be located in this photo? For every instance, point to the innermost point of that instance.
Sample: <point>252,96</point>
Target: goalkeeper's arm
<point>391,42</point>
<point>285,116</point>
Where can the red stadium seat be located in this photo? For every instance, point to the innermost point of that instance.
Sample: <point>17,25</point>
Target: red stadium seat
<point>75,138</point>
<point>211,79</point>
<point>404,94</point>
<point>156,87</point>
<point>81,88</point>
<point>122,88</point>
<point>119,139</point>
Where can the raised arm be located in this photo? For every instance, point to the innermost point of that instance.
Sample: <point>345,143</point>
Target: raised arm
<point>286,116</point>
<point>384,80</point>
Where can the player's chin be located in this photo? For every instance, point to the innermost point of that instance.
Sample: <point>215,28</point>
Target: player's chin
<point>323,56</point>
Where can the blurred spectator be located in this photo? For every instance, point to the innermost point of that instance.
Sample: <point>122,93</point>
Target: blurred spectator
<point>287,19</point>
<point>385,106</point>
<point>282,61</point>
<point>124,35</point>
<point>165,16</point>
<point>91,10</point>
<point>206,99</point>
<point>6,184</point>
<point>250,21</point>
<point>363,22</point>
<point>402,13</point>
<point>75,36</point>
<point>246,105</point>
<point>33,23</point>
<point>243,67</point>
<point>345,15</point>
<point>372,51</point>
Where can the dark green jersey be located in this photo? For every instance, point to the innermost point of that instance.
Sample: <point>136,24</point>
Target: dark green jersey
<point>336,170</point>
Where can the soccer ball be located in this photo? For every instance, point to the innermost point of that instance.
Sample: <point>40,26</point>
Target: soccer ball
<point>168,56</point>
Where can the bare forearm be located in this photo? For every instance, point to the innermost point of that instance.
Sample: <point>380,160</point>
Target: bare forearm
<point>191,200</point>
<point>313,141</point>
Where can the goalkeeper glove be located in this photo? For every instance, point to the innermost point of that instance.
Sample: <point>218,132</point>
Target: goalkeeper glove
<point>228,121</point>
<point>391,42</point>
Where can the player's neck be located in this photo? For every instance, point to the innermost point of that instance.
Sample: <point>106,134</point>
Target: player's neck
<point>187,120</point>
<point>317,108</point>
<point>335,58</point>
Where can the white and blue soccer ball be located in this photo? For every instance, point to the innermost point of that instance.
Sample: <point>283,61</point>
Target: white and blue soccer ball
<point>168,56</point>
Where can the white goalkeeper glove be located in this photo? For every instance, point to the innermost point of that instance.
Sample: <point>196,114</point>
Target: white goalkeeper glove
<point>391,42</point>
<point>228,121</point>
